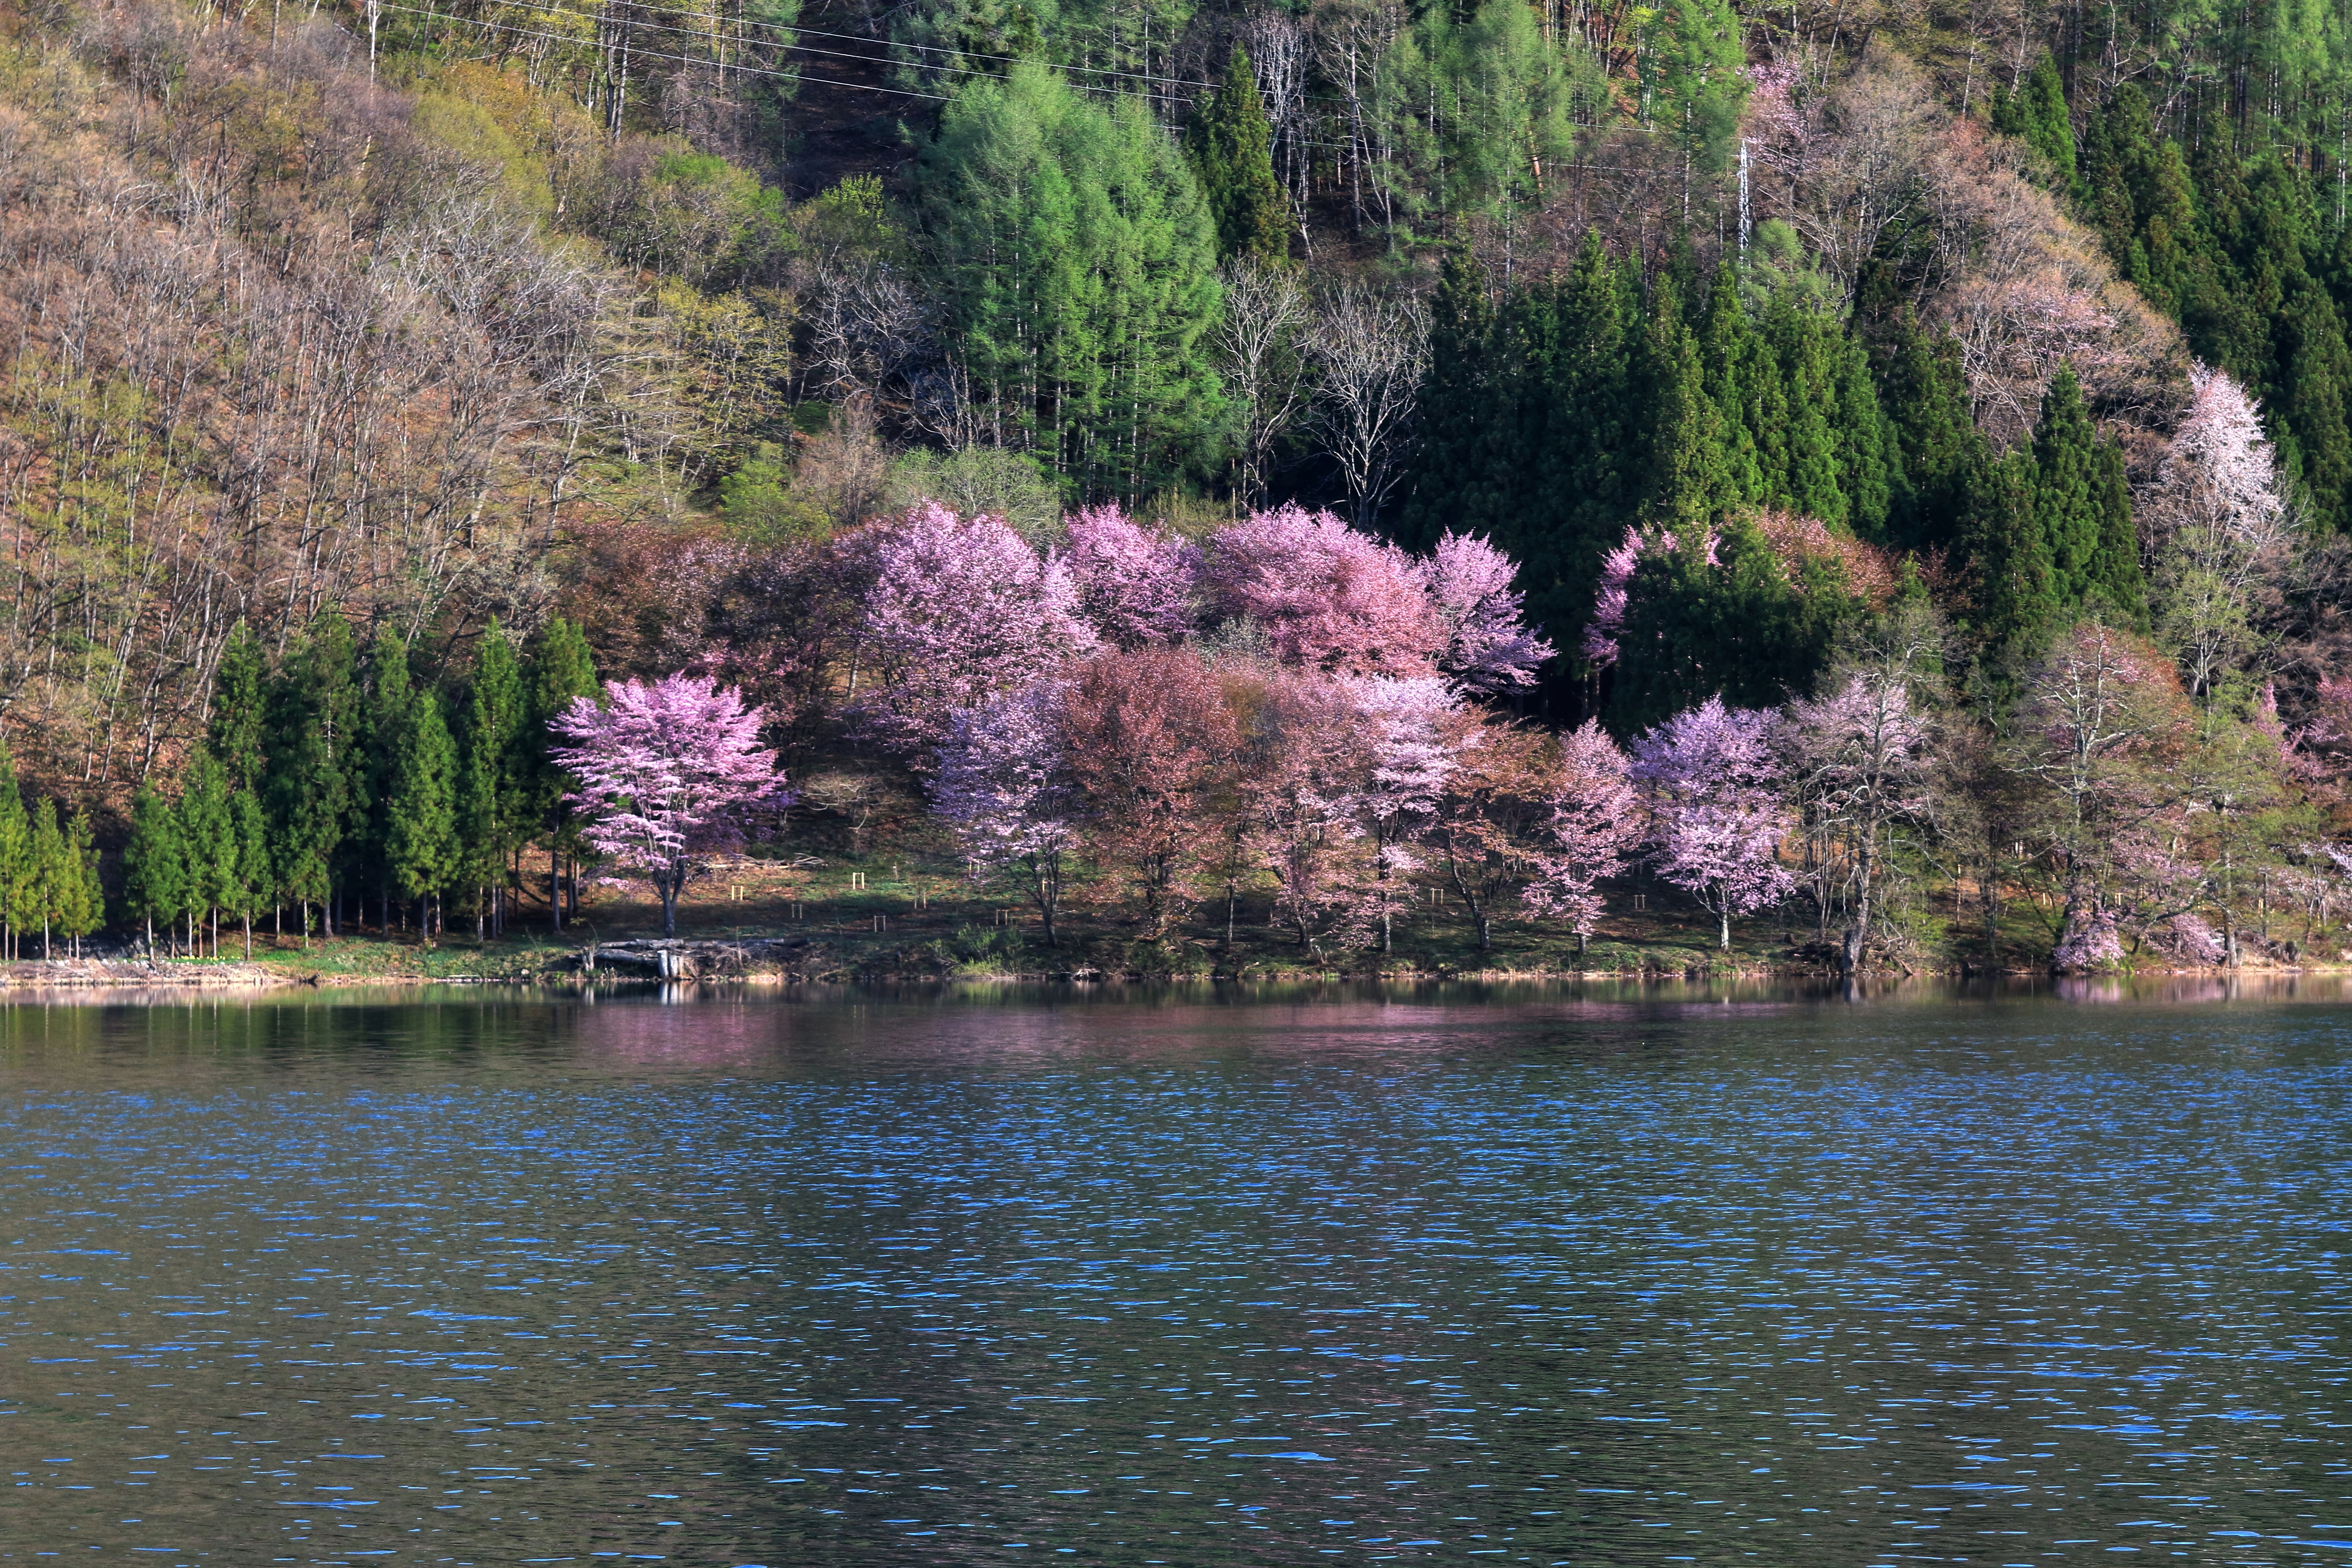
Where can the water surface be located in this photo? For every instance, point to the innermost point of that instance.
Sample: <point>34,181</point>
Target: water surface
<point>1599,1276</point>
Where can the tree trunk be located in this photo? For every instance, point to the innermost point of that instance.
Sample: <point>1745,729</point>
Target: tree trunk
<point>669,907</point>
<point>1723,940</point>
<point>555,890</point>
<point>248,936</point>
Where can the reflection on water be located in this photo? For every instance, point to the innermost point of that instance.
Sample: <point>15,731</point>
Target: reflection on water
<point>1589,1274</point>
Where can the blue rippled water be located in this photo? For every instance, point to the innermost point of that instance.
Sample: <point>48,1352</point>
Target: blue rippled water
<point>1558,1278</point>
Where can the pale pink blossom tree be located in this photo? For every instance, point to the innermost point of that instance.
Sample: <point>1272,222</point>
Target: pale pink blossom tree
<point>1003,784</point>
<point>1304,766</point>
<point>1860,757</point>
<point>1407,738</point>
<point>2219,529</point>
<point>1325,595</point>
<point>1490,646</point>
<point>1717,808</point>
<point>667,773</point>
<point>959,610</point>
<point>1596,825</point>
<point>1138,586</point>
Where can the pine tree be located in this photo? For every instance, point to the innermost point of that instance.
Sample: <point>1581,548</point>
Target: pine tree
<point>386,719</point>
<point>490,774</point>
<point>2068,491</point>
<point>155,865</point>
<point>1231,148</point>
<point>420,816</point>
<point>561,669</point>
<point>1735,363</point>
<point>2037,113</point>
<point>1687,482</point>
<point>238,731</point>
<point>53,873</point>
<point>1869,455</point>
<point>1798,456</point>
<point>2016,600</point>
<point>1925,394</point>
<point>208,839</point>
<point>16,897</point>
<point>82,903</point>
<point>254,884</point>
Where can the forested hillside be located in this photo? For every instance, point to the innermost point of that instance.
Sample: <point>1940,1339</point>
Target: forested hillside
<point>374,371</point>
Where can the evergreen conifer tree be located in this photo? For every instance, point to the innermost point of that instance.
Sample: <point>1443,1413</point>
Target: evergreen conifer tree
<point>1231,148</point>
<point>1457,412</point>
<point>1925,394</point>
<point>314,712</point>
<point>1798,456</point>
<point>208,839</point>
<point>54,875</point>
<point>491,774</point>
<point>2037,113</point>
<point>154,866</point>
<point>1591,466</point>
<point>2070,494</point>
<point>386,721</point>
<point>16,895</point>
<point>561,669</point>
<point>253,885</point>
<point>1687,483</point>
<point>1869,455</point>
<point>420,816</point>
<point>1734,361</point>
<point>238,731</point>
<point>2116,575</point>
<point>2017,599</point>
<point>82,904</point>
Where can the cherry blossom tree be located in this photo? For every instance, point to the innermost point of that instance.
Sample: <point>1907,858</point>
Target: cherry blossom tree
<point>959,610</point>
<point>2220,528</point>
<point>1324,594</point>
<point>1596,825</point>
<point>1717,808</point>
<point>1490,646</point>
<point>1137,587</point>
<point>1298,785</point>
<point>1405,725</point>
<point>1003,785</point>
<point>1860,759</point>
<point>667,773</point>
<point>1494,814</point>
<point>1149,741</point>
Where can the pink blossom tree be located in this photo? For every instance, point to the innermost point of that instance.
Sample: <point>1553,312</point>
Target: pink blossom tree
<point>1138,586</point>
<point>1490,646</point>
<point>2219,528</point>
<point>1325,595</point>
<point>1303,765</point>
<point>1407,737</point>
<point>1717,809</point>
<point>1003,784</point>
<point>959,609</point>
<point>667,773</point>
<point>1597,824</point>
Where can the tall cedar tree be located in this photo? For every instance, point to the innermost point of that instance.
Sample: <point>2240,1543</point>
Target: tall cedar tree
<point>253,886</point>
<point>16,854</point>
<point>1231,149</point>
<point>55,877</point>
<point>239,726</point>
<point>385,721</point>
<point>420,814</point>
<point>82,904</point>
<point>561,668</point>
<point>154,866</point>
<point>314,712</point>
<point>490,792</point>
<point>2036,112</point>
<point>208,840</point>
<point>1925,399</point>
<point>2082,506</point>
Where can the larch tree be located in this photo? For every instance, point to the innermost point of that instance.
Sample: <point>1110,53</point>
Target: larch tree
<point>668,773</point>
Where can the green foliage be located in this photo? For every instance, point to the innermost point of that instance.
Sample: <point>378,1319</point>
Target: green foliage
<point>1480,103</point>
<point>981,479</point>
<point>1925,396</point>
<point>81,898</point>
<point>561,669</point>
<point>2036,112</point>
<point>1078,277</point>
<point>1231,149</point>
<point>385,721</point>
<point>761,506</point>
<point>239,728</point>
<point>1691,63</point>
<point>494,763</point>
<point>155,863</point>
<point>315,720</point>
<point>208,837</point>
<point>421,843</point>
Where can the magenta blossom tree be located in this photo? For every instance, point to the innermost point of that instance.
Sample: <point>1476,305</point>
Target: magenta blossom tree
<point>1003,785</point>
<point>1489,646</point>
<point>1717,808</point>
<point>959,609</point>
<point>1596,825</point>
<point>667,773</point>
<point>1326,596</point>
<point>1138,586</point>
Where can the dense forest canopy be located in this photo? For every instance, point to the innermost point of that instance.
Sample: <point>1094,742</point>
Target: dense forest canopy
<point>370,362</point>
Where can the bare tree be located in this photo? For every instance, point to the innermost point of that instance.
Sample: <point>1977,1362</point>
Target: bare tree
<point>1370,353</point>
<point>1259,345</point>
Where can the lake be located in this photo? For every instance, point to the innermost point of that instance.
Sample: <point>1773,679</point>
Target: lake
<point>1606,1276</point>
